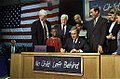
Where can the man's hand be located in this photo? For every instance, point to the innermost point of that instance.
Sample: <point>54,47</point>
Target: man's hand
<point>73,50</point>
<point>110,37</point>
<point>100,49</point>
<point>115,53</point>
<point>62,50</point>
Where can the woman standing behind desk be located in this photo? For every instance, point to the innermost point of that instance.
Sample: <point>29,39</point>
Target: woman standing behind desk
<point>118,35</point>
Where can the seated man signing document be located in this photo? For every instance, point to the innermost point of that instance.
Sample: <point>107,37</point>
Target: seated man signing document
<point>75,43</point>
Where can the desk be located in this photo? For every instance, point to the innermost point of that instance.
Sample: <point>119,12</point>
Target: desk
<point>110,66</point>
<point>22,66</point>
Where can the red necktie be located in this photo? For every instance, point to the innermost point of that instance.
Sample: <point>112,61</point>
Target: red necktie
<point>44,29</point>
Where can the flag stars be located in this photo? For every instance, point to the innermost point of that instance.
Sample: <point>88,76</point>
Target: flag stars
<point>10,16</point>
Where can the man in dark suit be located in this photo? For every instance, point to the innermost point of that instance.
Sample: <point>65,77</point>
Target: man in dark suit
<point>10,49</point>
<point>96,30</point>
<point>75,43</point>
<point>63,29</point>
<point>40,29</point>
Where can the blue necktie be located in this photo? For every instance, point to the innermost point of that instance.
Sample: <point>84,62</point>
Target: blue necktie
<point>73,44</point>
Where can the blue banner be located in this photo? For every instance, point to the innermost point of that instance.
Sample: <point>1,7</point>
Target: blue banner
<point>105,5</point>
<point>58,64</point>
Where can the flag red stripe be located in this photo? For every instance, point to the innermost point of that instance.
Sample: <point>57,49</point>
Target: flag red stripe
<point>25,25</point>
<point>37,9</point>
<point>29,25</point>
<point>16,33</point>
<point>35,17</point>
<point>54,22</point>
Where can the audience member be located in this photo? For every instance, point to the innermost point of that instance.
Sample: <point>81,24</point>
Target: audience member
<point>13,46</point>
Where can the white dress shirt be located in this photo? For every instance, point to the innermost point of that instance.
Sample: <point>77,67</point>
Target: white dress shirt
<point>64,26</point>
<point>111,27</point>
<point>12,49</point>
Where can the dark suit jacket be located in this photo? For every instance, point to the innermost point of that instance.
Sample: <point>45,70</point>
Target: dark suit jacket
<point>112,44</point>
<point>38,32</point>
<point>81,44</point>
<point>18,49</point>
<point>60,34</point>
<point>96,34</point>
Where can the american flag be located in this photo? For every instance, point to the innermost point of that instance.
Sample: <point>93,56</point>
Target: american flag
<point>16,20</point>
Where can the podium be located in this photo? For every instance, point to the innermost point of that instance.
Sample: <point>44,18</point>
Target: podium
<point>22,66</point>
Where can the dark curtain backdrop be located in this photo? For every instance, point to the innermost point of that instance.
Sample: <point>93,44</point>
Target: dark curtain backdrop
<point>71,7</point>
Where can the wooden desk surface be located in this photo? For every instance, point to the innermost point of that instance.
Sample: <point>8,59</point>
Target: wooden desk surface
<point>59,53</point>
